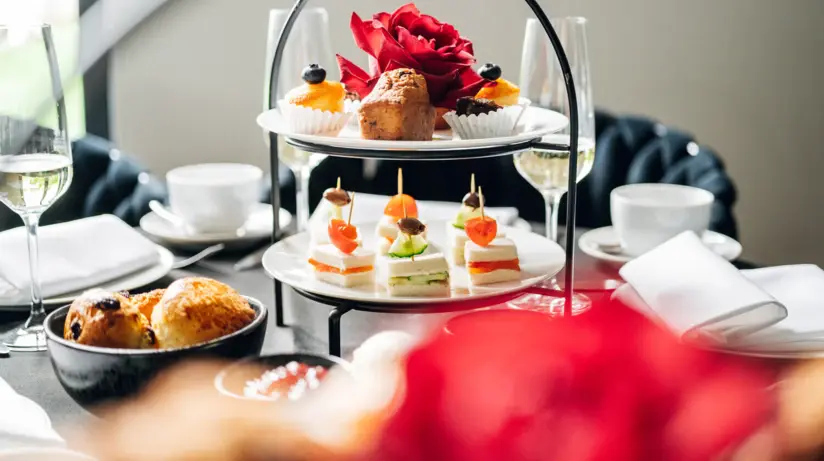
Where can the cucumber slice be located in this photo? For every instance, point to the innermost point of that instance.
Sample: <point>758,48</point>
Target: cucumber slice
<point>406,247</point>
<point>465,214</point>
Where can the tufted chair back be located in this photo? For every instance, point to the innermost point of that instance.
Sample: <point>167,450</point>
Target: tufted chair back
<point>628,150</point>
<point>105,181</point>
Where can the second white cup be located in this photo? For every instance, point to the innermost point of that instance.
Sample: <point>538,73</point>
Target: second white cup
<point>647,215</point>
<point>214,197</point>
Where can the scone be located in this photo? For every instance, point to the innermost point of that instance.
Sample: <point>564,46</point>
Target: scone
<point>398,108</point>
<point>195,310</point>
<point>145,302</point>
<point>105,319</point>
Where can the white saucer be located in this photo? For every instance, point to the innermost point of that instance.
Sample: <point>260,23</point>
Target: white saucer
<point>259,226</point>
<point>535,123</point>
<point>540,259</point>
<point>591,241</point>
<point>126,283</point>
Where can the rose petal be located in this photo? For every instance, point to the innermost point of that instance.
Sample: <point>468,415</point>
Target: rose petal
<point>353,77</point>
<point>415,44</point>
<point>403,16</point>
<point>384,19</point>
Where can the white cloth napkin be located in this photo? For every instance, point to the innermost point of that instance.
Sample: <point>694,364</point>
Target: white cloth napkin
<point>370,207</point>
<point>698,294</point>
<point>73,256</point>
<point>23,423</point>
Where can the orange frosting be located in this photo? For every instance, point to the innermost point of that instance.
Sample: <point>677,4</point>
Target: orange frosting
<point>326,96</point>
<point>503,92</point>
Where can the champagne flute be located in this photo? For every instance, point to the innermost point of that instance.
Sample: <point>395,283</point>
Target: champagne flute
<point>35,152</point>
<point>548,170</point>
<point>308,43</point>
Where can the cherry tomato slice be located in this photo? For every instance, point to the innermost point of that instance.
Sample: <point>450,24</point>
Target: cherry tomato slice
<point>481,230</point>
<point>395,207</point>
<point>343,236</point>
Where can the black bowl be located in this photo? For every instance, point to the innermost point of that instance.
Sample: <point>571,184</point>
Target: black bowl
<point>232,379</point>
<point>94,375</point>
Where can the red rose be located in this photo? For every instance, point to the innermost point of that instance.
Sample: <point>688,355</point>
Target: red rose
<point>409,39</point>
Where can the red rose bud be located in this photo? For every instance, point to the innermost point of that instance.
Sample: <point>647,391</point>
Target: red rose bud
<point>608,385</point>
<point>409,39</point>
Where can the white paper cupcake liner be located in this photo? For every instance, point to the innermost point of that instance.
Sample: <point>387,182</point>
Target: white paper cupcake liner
<point>352,107</point>
<point>496,124</point>
<point>305,120</point>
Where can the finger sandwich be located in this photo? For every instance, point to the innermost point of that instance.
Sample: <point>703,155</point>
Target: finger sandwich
<point>338,268</point>
<point>494,263</point>
<point>424,275</point>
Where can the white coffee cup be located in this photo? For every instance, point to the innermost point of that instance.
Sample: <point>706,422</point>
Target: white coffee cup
<point>214,197</point>
<point>647,215</point>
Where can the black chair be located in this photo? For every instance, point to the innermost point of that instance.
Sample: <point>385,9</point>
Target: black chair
<point>105,181</point>
<point>629,150</point>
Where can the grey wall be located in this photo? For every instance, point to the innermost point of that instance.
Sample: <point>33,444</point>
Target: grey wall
<point>187,87</point>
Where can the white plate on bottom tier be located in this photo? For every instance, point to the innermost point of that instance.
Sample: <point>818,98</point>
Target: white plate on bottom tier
<point>540,259</point>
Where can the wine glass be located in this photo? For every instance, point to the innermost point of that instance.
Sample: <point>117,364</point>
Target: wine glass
<point>35,152</point>
<point>548,170</point>
<point>308,43</point>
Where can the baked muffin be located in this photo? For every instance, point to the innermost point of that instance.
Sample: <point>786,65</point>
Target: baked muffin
<point>145,302</point>
<point>317,93</point>
<point>195,310</point>
<point>501,91</point>
<point>105,319</point>
<point>398,108</point>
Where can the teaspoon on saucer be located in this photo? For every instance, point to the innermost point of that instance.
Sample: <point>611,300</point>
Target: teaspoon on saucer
<point>167,215</point>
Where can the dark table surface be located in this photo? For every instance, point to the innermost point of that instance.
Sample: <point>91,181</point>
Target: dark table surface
<point>31,374</point>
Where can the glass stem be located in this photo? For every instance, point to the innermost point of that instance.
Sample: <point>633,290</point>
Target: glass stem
<point>552,201</point>
<point>302,197</point>
<point>38,314</point>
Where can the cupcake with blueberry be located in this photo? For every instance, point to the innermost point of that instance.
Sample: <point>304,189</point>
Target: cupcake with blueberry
<point>489,114</point>
<point>317,106</point>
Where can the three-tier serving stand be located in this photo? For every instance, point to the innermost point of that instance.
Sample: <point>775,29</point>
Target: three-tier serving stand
<point>341,306</point>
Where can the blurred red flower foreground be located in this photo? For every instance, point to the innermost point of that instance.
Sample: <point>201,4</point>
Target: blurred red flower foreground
<point>609,385</point>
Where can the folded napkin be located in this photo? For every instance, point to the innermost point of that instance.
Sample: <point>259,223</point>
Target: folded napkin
<point>23,423</point>
<point>73,256</point>
<point>699,295</point>
<point>370,208</point>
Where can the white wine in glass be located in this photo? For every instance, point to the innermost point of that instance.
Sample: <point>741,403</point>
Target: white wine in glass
<point>548,170</point>
<point>35,152</point>
<point>30,183</point>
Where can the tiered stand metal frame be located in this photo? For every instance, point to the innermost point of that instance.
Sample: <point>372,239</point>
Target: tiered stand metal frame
<point>341,307</point>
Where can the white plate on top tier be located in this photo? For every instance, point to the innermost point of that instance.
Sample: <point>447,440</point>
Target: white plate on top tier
<point>535,123</point>
<point>540,259</point>
<point>593,243</point>
<point>257,227</point>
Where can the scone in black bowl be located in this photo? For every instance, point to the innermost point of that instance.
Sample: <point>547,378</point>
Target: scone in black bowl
<point>95,375</point>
